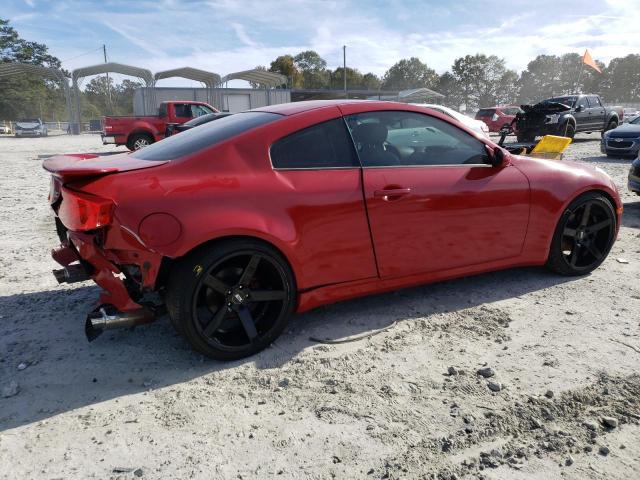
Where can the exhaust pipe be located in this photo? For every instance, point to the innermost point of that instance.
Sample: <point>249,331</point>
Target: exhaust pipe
<point>100,320</point>
<point>71,274</point>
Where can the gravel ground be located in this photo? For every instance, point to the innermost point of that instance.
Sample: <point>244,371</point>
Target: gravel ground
<point>562,398</point>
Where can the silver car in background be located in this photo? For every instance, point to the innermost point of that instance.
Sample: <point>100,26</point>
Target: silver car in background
<point>31,127</point>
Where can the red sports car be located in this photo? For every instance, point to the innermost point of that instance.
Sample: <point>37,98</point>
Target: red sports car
<point>240,222</point>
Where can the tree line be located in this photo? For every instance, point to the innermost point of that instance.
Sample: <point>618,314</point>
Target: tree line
<point>473,81</point>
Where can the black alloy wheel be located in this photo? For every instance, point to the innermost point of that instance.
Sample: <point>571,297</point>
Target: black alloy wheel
<point>235,301</point>
<point>584,235</point>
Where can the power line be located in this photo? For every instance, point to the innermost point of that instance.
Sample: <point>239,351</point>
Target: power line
<point>81,55</point>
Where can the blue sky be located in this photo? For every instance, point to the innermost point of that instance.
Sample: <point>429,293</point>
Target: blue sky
<point>226,36</point>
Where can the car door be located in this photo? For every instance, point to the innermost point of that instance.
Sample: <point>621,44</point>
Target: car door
<point>317,176</point>
<point>433,202</point>
<point>581,114</point>
<point>596,112</point>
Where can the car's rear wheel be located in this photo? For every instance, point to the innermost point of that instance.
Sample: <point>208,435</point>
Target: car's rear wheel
<point>138,141</point>
<point>232,299</point>
<point>584,235</point>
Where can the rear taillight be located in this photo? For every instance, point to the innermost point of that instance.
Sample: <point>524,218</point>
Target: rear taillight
<point>81,212</point>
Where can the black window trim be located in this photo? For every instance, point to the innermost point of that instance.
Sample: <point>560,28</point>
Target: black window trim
<point>359,166</point>
<point>483,165</point>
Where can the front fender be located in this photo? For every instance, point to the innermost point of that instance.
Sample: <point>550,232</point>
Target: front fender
<point>554,185</point>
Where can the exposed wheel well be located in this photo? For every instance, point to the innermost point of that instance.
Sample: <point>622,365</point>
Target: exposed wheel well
<point>167,263</point>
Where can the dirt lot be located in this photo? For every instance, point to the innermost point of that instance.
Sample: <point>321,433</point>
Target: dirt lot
<point>565,352</point>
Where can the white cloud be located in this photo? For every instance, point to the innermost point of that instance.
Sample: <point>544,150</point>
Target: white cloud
<point>229,35</point>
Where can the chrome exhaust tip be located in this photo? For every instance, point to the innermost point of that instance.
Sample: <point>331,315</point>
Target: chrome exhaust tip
<point>105,317</point>
<point>71,274</point>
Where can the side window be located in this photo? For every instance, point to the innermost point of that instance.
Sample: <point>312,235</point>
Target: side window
<point>594,101</point>
<point>325,145</point>
<point>582,101</point>
<point>400,138</point>
<point>182,110</point>
<point>199,110</point>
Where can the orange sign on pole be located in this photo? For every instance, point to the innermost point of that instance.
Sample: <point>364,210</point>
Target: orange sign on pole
<point>587,59</point>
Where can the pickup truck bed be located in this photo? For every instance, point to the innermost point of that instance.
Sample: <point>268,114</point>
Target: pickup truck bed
<point>139,131</point>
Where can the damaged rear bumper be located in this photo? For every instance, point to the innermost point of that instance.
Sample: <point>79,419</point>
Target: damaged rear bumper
<point>82,259</point>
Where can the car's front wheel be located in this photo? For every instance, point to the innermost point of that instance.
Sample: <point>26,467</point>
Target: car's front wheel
<point>584,235</point>
<point>231,299</point>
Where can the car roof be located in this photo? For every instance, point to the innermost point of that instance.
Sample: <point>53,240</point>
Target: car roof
<point>307,105</point>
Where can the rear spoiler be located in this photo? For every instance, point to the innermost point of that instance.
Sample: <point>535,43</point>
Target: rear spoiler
<point>83,165</point>
<point>71,166</point>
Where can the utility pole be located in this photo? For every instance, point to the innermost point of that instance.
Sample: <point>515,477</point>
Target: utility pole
<point>344,68</point>
<point>104,51</point>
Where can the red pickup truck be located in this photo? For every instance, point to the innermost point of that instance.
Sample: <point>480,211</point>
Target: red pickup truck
<point>137,132</point>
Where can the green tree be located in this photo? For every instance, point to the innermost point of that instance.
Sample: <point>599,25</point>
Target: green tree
<point>370,81</point>
<point>313,69</point>
<point>482,79</point>
<point>448,86</point>
<point>409,73</point>
<point>285,65</point>
<point>355,80</point>
<point>28,95</point>
<point>621,82</point>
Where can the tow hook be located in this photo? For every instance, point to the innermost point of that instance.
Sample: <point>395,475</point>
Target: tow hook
<point>71,274</point>
<point>105,317</point>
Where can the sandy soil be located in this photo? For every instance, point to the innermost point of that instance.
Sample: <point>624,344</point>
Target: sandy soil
<point>565,352</point>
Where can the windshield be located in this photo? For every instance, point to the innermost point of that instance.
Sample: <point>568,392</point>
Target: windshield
<point>195,139</point>
<point>29,120</point>
<point>569,101</point>
<point>635,121</point>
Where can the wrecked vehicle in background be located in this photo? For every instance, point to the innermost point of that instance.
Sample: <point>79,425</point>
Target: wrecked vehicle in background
<point>565,116</point>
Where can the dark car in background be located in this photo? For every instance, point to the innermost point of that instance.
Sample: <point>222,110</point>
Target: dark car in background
<point>497,117</point>
<point>565,116</point>
<point>174,128</point>
<point>623,141</point>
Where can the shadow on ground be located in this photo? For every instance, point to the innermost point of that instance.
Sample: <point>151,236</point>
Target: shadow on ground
<point>44,330</point>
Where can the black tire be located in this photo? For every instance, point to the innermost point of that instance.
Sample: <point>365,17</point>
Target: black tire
<point>212,298</point>
<point>569,131</point>
<point>525,137</point>
<point>584,235</point>
<point>610,126</point>
<point>138,141</point>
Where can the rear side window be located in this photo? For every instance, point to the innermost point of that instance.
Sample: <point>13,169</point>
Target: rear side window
<point>206,135</point>
<point>182,110</point>
<point>326,145</point>
<point>485,112</point>
<point>594,101</point>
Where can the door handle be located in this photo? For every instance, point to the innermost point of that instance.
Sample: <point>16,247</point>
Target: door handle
<point>391,193</point>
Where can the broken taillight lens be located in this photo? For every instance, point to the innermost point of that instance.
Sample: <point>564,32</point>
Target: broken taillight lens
<point>81,212</point>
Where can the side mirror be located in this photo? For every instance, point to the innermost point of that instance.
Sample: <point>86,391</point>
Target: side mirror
<point>497,157</point>
<point>579,108</point>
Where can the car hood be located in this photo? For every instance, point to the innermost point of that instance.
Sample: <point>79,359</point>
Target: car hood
<point>546,107</point>
<point>626,130</point>
<point>584,173</point>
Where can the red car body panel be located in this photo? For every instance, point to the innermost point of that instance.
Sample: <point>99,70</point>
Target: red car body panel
<point>122,127</point>
<point>341,237</point>
<point>499,118</point>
